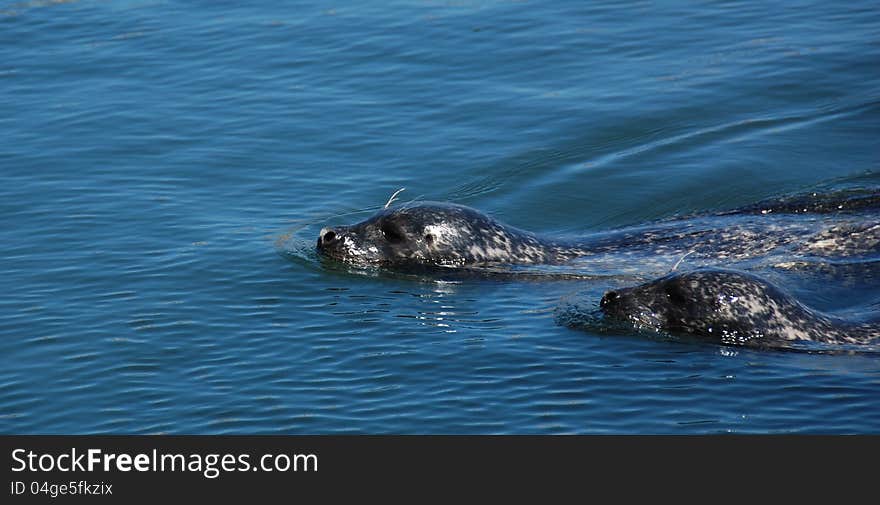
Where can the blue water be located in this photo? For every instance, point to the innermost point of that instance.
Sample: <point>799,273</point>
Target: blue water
<point>154,153</point>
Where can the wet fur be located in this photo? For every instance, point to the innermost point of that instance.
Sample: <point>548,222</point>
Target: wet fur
<point>730,307</point>
<point>446,234</point>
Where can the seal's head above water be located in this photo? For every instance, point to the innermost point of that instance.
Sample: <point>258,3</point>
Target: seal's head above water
<point>728,307</point>
<point>433,234</point>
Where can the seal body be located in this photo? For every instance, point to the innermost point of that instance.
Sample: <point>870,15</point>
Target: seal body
<point>730,307</point>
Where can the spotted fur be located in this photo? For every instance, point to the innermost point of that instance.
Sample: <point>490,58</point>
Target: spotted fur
<point>439,234</point>
<point>730,307</point>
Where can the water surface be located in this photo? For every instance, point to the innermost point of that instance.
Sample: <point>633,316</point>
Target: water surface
<point>153,153</point>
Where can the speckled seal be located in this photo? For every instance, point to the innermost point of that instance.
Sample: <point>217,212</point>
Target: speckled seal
<point>441,234</point>
<point>730,307</point>
<point>447,234</point>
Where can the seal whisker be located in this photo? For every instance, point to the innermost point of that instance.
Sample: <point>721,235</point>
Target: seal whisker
<point>674,267</point>
<point>390,200</point>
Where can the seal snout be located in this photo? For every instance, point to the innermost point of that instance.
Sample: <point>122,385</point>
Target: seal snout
<point>328,238</point>
<point>616,303</point>
<point>609,299</point>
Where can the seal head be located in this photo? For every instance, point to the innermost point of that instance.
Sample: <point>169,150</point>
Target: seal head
<point>431,233</point>
<point>728,307</point>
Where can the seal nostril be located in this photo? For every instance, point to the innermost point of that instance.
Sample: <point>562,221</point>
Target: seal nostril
<point>609,297</point>
<point>329,237</point>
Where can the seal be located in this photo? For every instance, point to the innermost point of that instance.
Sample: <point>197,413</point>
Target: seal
<point>449,235</point>
<point>438,234</point>
<point>730,307</point>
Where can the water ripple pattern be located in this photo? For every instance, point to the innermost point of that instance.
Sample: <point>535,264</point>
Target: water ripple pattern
<point>157,156</point>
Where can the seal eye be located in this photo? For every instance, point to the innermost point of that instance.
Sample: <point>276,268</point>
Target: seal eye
<point>429,238</point>
<point>675,294</point>
<point>392,233</point>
